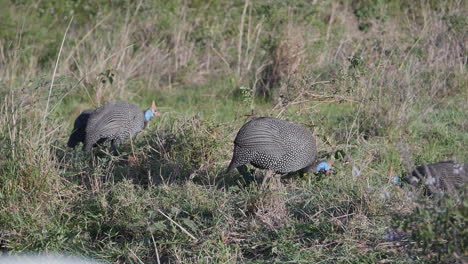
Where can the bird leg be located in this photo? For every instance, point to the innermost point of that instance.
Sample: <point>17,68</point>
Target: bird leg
<point>244,171</point>
<point>114,144</point>
<point>268,175</point>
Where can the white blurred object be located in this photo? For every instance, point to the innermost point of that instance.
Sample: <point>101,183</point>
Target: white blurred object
<point>430,181</point>
<point>45,259</point>
<point>356,172</point>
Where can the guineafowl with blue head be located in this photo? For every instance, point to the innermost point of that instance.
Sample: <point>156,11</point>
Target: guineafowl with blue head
<point>277,145</point>
<point>112,122</point>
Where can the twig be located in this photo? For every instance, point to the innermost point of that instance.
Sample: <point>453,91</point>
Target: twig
<point>139,260</point>
<point>241,33</point>
<point>314,215</point>
<point>175,223</point>
<point>330,22</point>
<point>320,82</point>
<point>155,248</point>
<point>55,69</point>
<point>342,216</point>
<point>336,97</point>
<point>258,28</point>
<point>281,112</point>
<point>221,57</point>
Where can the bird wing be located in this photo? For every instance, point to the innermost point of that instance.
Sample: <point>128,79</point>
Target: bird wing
<point>261,136</point>
<point>108,120</point>
<point>457,174</point>
<point>449,174</point>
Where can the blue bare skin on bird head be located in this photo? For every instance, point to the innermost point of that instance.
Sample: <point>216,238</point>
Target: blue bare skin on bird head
<point>396,179</point>
<point>151,112</point>
<point>324,167</point>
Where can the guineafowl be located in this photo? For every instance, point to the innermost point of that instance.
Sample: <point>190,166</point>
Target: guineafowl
<point>440,176</point>
<point>79,129</point>
<point>116,122</point>
<point>277,145</point>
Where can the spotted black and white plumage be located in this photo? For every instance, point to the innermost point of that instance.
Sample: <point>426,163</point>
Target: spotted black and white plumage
<point>444,175</point>
<point>278,145</point>
<point>78,134</point>
<point>114,122</point>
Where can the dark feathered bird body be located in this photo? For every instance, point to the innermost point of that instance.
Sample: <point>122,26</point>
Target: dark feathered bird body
<point>79,129</point>
<point>114,122</point>
<point>444,175</point>
<point>270,143</point>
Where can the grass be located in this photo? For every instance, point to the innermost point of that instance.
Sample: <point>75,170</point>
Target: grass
<point>381,83</point>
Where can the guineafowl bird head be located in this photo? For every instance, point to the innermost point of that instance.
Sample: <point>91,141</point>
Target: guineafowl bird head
<point>151,112</point>
<point>324,167</point>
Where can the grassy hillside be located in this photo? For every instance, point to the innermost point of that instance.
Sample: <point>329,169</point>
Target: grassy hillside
<point>381,83</point>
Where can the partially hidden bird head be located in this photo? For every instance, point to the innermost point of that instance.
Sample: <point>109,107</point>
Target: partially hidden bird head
<point>151,112</point>
<point>324,167</point>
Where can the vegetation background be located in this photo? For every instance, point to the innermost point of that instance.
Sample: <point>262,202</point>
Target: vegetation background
<point>382,84</point>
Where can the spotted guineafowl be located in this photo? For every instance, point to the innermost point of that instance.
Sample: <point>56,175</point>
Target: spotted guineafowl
<point>116,122</point>
<point>277,145</point>
<point>78,134</point>
<point>440,176</point>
